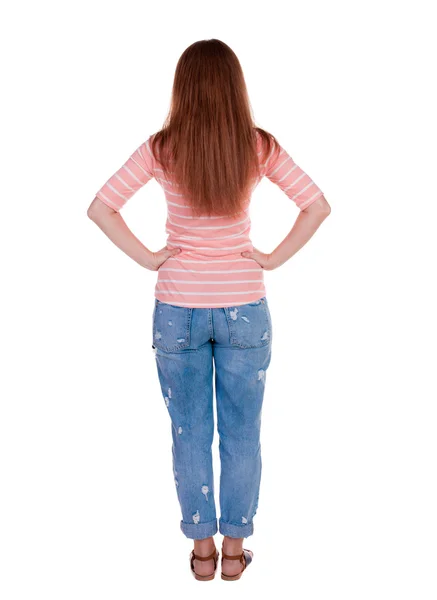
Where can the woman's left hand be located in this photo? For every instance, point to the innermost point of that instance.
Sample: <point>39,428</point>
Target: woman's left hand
<point>158,258</point>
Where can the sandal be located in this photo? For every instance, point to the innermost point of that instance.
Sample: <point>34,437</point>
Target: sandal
<point>245,558</point>
<point>214,555</point>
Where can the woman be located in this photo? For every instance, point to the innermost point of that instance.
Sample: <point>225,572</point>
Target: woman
<point>210,301</point>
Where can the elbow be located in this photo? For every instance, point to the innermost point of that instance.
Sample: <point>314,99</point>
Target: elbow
<point>95,209</point>
<point>98,210</point>
<point>92,210</point>
<point>320,208</point>
<point>324,213</point>
<point>326,210</point>
<point>324,207</point>
<point>94,215</point>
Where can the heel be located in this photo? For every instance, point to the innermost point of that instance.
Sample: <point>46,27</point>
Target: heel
<point>245,558</point>
<point>214,556</point>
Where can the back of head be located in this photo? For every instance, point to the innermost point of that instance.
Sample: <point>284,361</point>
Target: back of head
<point>208,144</point>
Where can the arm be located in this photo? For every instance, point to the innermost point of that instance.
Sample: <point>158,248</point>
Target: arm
<point>114,227</point>
<point>307,222</point>
<point>104,209</point>
<point>308,197</point>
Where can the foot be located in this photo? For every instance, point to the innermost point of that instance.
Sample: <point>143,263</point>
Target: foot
<point>204,548</point>
<point>232,547</point>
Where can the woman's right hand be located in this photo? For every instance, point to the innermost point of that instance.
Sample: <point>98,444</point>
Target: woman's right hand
<point>264,260</point>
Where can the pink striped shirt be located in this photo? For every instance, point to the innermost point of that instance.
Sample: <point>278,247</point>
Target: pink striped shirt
<point>209,271</point>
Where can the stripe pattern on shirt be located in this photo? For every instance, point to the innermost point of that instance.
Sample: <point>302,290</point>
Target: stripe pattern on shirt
<point>210,271</point>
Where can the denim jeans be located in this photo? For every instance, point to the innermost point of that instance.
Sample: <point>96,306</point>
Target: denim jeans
<point>194,348</point>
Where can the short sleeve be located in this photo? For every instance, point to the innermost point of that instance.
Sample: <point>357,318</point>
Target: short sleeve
<point>281,169</point>
<point>130,177</point>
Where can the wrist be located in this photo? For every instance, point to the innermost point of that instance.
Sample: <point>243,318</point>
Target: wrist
<point>146,259</point>
<point>273,261</point>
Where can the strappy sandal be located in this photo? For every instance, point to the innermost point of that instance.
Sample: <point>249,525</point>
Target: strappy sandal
<point>245,558</point>
<point>214,556</point>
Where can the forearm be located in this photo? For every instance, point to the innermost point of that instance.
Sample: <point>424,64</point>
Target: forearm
<point>115,228</point>
<point>305,226</point>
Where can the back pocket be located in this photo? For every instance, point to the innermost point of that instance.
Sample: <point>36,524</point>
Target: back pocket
<point>250,325</point>
<point>171,326</point>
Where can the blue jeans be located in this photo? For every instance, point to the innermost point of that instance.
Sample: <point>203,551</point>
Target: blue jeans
<point>189,343</point>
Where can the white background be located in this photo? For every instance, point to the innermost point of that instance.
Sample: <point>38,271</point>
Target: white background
<point>348,495</point>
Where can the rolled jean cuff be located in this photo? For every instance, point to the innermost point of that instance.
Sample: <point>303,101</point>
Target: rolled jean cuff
<point>236,531</point>
<point>199,531</point>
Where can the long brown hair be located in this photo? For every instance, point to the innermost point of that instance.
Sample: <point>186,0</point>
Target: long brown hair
<point>208,141</point>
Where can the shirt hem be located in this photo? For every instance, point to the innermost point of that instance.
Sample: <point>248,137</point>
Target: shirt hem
<point>167,299</point>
